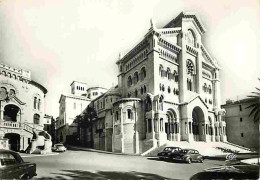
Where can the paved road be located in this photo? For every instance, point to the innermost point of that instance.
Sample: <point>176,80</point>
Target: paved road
<point>94,165</point>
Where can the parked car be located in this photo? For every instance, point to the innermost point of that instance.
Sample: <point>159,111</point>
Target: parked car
<point>59,148</point>
<point>167,151</point>
<point>12,166</point>
<point>238,170</point>
<point>187,155</point>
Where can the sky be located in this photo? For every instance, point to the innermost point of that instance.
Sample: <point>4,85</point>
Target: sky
<point>64,40</point>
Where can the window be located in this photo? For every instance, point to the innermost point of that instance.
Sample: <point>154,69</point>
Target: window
<point>241,120</point>
<point>169,89</point>
<point>161,70</point>
<point>240,107</point>
<point>162,87</point>
<point>39,104</point>
<point>12,92</point>
<point>129,81</point>
<point>136,93</point>
<point>144,89</point>
<point>168,73</point>
<point>242,134</point>
<point>191,38</point>
<point>116,115</point>
<point>36,119</point>
<point>209,89</point>
<point>136,77</point>
<point>190,67</point>
<point>35,102</point>
<point>143,73</point>
<point>129,114</point>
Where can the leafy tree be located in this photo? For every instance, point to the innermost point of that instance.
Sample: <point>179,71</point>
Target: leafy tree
<point>255,107</point>
<point>85,120</point>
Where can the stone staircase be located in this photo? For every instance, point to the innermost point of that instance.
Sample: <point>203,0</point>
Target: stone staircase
<point>205,148</point>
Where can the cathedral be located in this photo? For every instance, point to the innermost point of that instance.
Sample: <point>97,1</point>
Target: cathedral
<point>168,90</point>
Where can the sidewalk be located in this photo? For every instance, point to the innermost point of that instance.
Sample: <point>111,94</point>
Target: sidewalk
<point>23,155</point>
<point>98,151</point>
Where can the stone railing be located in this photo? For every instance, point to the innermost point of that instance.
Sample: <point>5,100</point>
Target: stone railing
<point>9,124</point>
<point>16,125</point>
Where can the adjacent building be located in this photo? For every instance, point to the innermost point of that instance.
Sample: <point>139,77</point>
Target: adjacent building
<point>168,90</point>
<point>71,105</point>
<point>22,111</point>
<point>241,128</point>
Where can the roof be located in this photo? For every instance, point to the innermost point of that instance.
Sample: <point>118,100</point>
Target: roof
<point>39,86</point>
<point>187,15</point>
<point>74,96</point>
<point>96,87</point>
<point>241,101</point>
<point>78,82</point>
<point>113,91</point>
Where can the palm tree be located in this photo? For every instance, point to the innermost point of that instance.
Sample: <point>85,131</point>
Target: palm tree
<point>255,107</point>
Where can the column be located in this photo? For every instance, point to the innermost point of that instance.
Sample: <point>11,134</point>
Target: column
<point>113,135</point>
<point>136,134</point>
<point>122,131</point>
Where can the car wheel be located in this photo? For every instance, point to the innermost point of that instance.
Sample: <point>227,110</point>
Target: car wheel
<point>26,176</point>
<point>188,160</point>
<point>201,161</point>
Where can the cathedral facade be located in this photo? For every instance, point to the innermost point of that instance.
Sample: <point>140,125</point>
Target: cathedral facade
<point>168,90</point>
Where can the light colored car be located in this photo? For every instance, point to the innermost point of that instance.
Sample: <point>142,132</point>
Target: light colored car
<point>59,148</point>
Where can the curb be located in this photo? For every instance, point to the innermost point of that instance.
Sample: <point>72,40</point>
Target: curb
<point>100,151</point>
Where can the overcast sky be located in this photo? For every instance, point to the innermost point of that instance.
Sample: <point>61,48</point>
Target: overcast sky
<point>64,40</point>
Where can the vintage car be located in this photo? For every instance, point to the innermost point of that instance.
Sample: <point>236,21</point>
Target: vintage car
<point>59,148</point>
<point>12,166</point>
<point>187,155</point>
<point>167,151</point>
<point>244,169</point>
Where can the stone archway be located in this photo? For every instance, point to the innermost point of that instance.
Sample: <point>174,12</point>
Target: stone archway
<point>14,141</point>
<point>171,125</point>
<point>197,125</point>
<point>12,113</point>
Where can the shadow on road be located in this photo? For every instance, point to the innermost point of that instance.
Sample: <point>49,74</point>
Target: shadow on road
<point>103,175</point>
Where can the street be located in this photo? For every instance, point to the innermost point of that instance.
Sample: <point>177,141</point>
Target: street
<point>75,164</point>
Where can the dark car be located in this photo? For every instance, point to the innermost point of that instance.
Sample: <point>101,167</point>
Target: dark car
<point>167,151</point>
<point>241,170</point>
<point>187,155</point>
<point>12,166</point>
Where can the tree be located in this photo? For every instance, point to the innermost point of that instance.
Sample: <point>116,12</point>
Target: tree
<point>85,120</point>
<point>255,107</point>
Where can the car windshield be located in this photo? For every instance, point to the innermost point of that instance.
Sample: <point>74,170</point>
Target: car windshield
<point>169,148</point>
<point>184,151</point>
<point>9,159</point>
<point>59,145</point>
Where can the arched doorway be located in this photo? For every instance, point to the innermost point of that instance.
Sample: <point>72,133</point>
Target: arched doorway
<point>198,123</point>
<point>14,141</point>
<point>171,126</point>
<point>11,113</point>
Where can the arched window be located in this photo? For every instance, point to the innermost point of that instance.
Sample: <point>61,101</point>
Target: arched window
<point>209,88</point>
<point>205,87</point>
<point>136,93</point>
<point>161,103</point>
<point>39,104</point>
<point>128,95</point>
<point>36,119</point>
<point>144,89</point>
<point>190,67</point>
<point>12,92</point>
<point>143,73</point>
<point>117,116</point>
<point>34,102</point>
<point>163,88</point>
<point>160,86</point>
<point>129,81</point>
<point>136,77</point>
<point>168,73</point>
<point>161,70</point>
<point>169,89</point>
<point>191,38</point>
<point>148,104</point>
<point>129,114</point>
